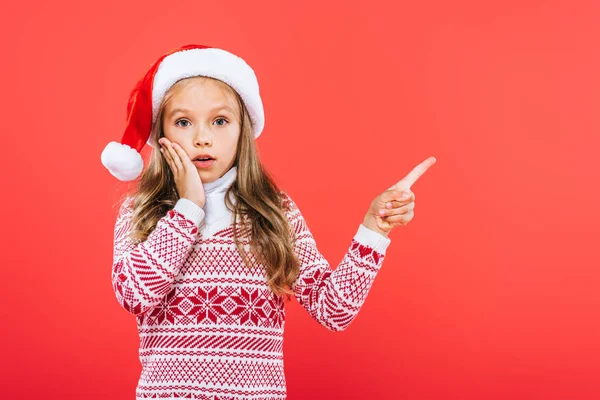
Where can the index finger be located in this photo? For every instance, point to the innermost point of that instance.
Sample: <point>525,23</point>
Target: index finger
<point>415,174</point>
<point>185,159</point>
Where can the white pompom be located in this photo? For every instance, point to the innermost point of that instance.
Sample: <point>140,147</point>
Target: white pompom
<point>123,162</point>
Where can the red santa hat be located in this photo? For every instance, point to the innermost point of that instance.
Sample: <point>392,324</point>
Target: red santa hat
<point>123,159</point>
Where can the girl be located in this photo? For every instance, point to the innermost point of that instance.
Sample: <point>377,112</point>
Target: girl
<point>207,247</point>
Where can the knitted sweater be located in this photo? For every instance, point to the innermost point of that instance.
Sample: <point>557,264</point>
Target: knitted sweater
<point>209,327</point>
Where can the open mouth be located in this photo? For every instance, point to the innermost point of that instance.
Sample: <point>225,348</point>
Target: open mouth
<point>204,162</point>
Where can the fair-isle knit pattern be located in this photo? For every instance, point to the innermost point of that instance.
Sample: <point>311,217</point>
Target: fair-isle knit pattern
<point>210,328</point>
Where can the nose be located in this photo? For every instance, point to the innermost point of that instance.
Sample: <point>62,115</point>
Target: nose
<point>203,137</point>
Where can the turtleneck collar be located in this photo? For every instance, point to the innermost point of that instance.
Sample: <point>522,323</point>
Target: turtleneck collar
<point>214,207</point>
<point>220,185</point>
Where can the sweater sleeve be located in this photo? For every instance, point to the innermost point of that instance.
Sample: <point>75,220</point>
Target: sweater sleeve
<point>142,273</point>
<point>334,297</point>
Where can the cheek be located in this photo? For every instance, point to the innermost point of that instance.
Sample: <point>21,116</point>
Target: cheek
<point>231,135</point>
<point>172,134</point>
<point>171,130</point>
<point>234,135</point>
<point>167,131</point>
<point>233,143</point>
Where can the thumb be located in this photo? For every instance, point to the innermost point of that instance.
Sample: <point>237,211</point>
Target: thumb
<point>395,193</point>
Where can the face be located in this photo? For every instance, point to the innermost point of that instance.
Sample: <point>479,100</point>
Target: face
<point>203,118</point>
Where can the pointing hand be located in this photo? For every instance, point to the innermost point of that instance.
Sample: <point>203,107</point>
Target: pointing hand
<point>390,209</point>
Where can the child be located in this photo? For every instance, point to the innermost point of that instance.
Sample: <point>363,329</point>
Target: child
<point>205,251</point>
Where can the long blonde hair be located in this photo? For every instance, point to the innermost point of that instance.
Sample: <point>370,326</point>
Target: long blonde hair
<point>260,204</point>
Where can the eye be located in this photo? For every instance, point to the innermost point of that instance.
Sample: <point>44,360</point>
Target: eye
<point>178,121</point>
<point>221,119</point>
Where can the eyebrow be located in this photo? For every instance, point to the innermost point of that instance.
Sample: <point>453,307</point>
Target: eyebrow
<point>216,108</point>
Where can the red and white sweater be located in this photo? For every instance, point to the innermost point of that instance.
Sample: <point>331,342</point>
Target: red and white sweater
<point>209,327</point>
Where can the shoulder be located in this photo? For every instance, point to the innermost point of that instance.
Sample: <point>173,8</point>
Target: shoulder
<point>127,203</point>
<point>287,203</point>
<point>286,200</point>
<point>289,206</point>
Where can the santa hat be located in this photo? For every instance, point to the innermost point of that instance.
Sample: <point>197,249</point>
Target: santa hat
<point>123,159</point>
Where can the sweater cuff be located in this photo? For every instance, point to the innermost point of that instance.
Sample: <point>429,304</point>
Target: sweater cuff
<point>190,210</point>
<point>375,240</point>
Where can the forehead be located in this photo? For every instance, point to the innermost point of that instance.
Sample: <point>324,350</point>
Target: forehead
<point>201,95</point>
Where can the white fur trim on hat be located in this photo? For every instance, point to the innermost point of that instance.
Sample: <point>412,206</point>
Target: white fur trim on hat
<point>122,161</point>
<point>215,63</point>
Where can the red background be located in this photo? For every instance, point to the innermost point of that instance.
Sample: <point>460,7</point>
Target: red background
<point>490,292</point>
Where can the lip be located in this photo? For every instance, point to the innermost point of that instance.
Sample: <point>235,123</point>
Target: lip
<point>202,156</point>
<point>204,164</point>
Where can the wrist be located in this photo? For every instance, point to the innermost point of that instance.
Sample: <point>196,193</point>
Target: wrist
<point>370,223</point>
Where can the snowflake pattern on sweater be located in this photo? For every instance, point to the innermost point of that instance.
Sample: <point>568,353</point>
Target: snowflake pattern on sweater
<point>210,328</point>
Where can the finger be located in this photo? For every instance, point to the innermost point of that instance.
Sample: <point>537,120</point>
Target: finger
<point>396,211</point>
<point>163,143</point>
<point>168,158</point>
<point>415,174</point>
<point>175,157</point>
<point>396,195</point>
<point>397,203</point>
<point>399,210</point>
<point>184,158</point>
<point>396,220</point>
